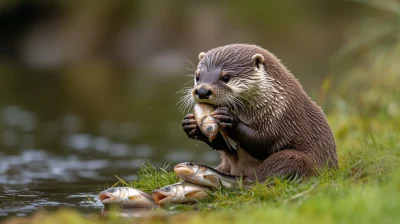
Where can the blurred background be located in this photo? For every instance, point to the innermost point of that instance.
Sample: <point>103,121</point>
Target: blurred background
<point>88,89</point>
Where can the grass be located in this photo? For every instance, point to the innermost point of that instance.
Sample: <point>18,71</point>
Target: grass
<point>150,178</point>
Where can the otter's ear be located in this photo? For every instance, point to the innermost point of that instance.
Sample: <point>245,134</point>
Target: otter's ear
<point>201,55</point>
<point>257,60</point>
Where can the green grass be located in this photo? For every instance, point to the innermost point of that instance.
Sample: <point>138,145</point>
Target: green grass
<point>150,178</point>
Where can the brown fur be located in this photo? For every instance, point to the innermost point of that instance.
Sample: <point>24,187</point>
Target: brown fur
<point>279,129</point>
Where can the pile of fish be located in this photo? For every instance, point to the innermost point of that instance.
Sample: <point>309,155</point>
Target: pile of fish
<point>198,180</point>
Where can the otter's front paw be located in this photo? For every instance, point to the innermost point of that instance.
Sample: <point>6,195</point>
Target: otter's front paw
<point>190,127</point>
<point>224,118</point>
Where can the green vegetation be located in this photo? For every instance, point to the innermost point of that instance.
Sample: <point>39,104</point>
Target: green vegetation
<point>150,178</point>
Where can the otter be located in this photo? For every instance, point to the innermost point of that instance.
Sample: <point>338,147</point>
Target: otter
<point>279,129</point>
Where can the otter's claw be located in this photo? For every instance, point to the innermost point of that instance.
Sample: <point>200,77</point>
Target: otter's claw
<point>224,118</point>
<point>190,127</point>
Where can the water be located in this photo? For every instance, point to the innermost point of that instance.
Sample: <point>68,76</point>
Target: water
<point>60,148</point>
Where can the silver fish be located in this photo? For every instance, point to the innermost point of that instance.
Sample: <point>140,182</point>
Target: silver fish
<point>207,124</point>
<point>208,177</point>
<point>126,197</point>
<point>179,193</point>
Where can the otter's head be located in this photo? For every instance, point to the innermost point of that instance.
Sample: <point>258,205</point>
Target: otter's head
<point>230,76</point>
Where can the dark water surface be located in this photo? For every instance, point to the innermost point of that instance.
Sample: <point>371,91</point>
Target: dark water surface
<point>59,148</point>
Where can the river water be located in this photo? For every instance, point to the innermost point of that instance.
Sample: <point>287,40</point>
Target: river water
<point>59,148</point>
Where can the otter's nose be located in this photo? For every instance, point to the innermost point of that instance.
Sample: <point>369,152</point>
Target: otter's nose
<point>203,93</point>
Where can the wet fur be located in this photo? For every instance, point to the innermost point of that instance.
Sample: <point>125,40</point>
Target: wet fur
<point>280,130</point>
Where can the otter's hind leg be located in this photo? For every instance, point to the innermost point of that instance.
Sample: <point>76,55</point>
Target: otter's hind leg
<point>224,167</point>
<point>286,163</point>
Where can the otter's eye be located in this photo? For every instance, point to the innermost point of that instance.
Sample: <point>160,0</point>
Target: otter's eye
<point>197,78</point>
<point>225,78</point>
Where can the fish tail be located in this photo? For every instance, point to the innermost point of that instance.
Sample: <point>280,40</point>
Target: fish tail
<point>229,142</point>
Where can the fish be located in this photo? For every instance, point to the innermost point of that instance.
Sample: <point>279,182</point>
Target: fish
<point>179,193</point>
<point>126,197</point>
<point>205,121</point>
<point>208,126</point>
<point>208,177</point>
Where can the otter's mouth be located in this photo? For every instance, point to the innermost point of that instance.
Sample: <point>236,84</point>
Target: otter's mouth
<point>209,100</point>
<point>159,197</point>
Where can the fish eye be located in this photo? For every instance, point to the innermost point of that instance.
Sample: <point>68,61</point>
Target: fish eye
<point>225,78</point>
<point>209,129</point>
<point>111,190</point>
<point>167,189</point>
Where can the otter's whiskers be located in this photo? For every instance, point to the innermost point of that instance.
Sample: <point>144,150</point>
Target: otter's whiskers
<point>186,101</point>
